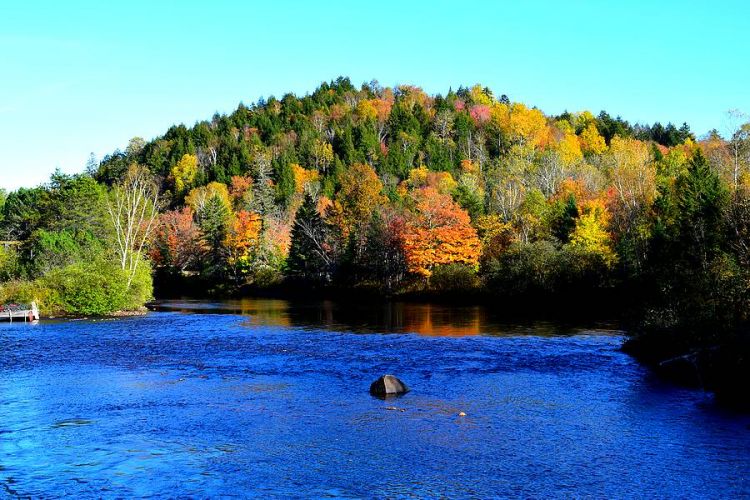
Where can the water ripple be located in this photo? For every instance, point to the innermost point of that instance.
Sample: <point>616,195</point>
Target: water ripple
<point>186,405</point>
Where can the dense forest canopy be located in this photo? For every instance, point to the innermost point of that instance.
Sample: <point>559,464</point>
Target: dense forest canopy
<point>392,189</point>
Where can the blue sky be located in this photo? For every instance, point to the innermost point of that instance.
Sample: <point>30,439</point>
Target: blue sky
<point>80,77</point>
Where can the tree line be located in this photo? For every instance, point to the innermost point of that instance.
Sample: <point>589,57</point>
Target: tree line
<point>393,190</point>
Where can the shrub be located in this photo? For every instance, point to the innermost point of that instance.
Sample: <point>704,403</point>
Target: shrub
<point>542,267</point>
<point>23,292</point>
<point>9,265</point>
<point>86,288</point>
<point>454,278</point>
<point>96,288</point>
<point>141,288</point>
<point>267,277</point>
<point>524,268</point>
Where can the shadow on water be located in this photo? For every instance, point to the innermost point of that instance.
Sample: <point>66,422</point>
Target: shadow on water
<point>438,320</point>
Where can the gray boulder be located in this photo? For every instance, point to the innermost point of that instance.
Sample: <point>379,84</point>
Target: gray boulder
<point>388,385</point>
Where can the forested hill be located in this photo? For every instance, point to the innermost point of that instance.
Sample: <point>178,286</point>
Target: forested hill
<point>397,190</point>
<point>392,129</point>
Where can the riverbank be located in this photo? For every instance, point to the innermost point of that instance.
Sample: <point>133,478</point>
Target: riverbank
<point>722,368</point>
<point>141,311</point>
<point>594,303</point>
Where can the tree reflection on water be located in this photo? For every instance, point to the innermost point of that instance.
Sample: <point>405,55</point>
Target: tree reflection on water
<point>383,317</point>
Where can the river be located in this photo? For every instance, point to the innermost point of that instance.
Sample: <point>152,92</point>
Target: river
<point>268,398</point>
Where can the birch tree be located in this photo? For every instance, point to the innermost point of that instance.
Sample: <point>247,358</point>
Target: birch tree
<point>739,144</point>
<point>133,207</point>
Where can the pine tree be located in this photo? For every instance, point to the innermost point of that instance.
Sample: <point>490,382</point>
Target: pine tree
<point>310,253</point>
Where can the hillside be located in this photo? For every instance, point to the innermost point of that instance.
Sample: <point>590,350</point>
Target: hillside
<point>576,187</point>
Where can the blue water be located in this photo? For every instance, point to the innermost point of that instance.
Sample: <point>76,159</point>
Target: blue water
<point>272,400</point>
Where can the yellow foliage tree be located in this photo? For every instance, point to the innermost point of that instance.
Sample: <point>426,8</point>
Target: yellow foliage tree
<point>479,96</point>
<point>632,173</point>
<point>421,177</point>
<point>519,124</point>
<point>590,235</point>
<point>303,178</point>
<point>322,155</point>
<point>366,110</point>
<point>242,240</point>
<point>569,148</point>
<point>591,141</point>
<point>184,172</point>
<point>360,194</point>
<point>197,198</point>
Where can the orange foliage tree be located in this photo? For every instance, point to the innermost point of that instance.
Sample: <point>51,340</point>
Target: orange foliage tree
<point>176,244</point>
<point>438,233</point>
<point>242,241</point>
<point>241,191</point>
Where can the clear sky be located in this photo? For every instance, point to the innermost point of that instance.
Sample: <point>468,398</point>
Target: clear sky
<point>79,77</point>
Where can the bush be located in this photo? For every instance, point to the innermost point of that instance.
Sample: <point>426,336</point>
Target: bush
<point>96,288</point>
<point>524,269</point>
<point>85,288</point>
<point>9,265</point>
<point>141,288</point>
<point>267,277</point>
<point>23,292</point>
<point>543,268</point>
<point>454,278</point>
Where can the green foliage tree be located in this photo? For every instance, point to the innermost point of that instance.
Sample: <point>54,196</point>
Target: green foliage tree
<point>310,253</point>
<point>213,218</point>
<point>693,278</point>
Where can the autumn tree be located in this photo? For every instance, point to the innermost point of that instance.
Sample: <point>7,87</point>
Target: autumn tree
<point>439,232</point>
<point>177,245</point>
<point>592,143</point>
<point>183,173</point>
<point>507,182</point>
<point>360,194</point>
<point>199,197</point>
<point>241,192</point>
<point>633,176</point>
<point>518,124</point>
<point>241,242</point>
<point>322,155</point>
<point>590,236</point>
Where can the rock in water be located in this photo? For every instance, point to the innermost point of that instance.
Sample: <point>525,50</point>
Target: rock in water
<point>388,385</point>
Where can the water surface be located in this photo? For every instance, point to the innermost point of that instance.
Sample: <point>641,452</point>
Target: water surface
<point>267,398</point>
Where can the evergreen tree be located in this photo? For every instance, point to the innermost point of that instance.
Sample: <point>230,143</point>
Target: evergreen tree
<point>310,253</point>
<point>212,220</point>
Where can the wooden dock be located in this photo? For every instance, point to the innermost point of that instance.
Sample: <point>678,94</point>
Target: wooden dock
<point>19,312</point>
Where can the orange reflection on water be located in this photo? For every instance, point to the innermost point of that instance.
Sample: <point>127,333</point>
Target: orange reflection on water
<point>424,319</point>
<point>370,316</point>
<point>440,321</point>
